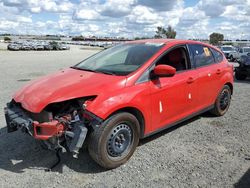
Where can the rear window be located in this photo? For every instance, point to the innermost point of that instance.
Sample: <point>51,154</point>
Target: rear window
<point>227,48</point>
<point>217,55</point>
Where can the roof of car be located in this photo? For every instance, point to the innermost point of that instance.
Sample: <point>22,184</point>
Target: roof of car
<point>156,40</point>
<point>173,41</point>
<point>227,46</point>
<point>165,41</point>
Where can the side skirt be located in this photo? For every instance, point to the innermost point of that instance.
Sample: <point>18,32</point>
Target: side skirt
<point>179,121</point>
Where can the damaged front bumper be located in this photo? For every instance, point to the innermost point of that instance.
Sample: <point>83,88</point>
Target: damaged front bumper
<point>74,133</point>
<point>17,119</point>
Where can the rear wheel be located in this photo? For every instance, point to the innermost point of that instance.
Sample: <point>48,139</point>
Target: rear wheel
<point>112,144</point>
<point>222,102</point>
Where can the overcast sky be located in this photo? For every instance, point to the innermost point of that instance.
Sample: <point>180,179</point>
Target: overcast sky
<point>126,18</point>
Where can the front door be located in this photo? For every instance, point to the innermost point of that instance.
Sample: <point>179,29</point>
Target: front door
<point>173,98</point>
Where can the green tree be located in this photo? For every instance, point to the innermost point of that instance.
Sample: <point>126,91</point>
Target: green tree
<point>7,39</point>
<point>215,38</point>
<point>165,33</point>
<point>141,38</point>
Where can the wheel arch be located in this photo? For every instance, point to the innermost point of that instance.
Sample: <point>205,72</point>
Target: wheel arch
<point>230,85</point>
<point>137,113</point>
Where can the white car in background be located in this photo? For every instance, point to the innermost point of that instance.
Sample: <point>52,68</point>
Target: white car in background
<point>14,47</point>
<point>228,50</point>
<point>238,53</point>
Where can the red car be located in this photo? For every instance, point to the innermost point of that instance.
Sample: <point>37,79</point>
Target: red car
<point>123,94</point>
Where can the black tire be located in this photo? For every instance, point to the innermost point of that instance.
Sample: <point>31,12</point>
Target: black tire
<point>114,142</point>
<point>222,102</point>
<point>239,75</point>
<point>231,58</point>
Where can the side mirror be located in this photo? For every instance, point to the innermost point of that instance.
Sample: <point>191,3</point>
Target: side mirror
<point>164,71</point>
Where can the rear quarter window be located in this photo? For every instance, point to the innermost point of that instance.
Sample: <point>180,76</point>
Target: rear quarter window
<point>217,55</point>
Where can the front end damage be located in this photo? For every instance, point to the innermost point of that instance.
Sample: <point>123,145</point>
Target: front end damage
<point>62,125</point>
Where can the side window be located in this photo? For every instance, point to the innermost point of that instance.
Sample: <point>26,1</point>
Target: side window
<point>241,50</point>
<point>202,55</point>
<point>176,58</point>
<point>144,77</point>
<point>217,55</point>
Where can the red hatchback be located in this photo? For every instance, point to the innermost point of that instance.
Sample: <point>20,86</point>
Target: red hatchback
<point>121,95</point>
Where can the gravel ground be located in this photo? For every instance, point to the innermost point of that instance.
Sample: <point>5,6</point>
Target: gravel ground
<point>202,152</point>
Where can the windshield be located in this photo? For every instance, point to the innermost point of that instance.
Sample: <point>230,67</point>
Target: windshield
<point>121,59</point>
<point>227,48</point>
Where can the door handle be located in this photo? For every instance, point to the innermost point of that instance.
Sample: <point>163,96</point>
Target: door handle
<point>218,71</point>
<point>190,80</point>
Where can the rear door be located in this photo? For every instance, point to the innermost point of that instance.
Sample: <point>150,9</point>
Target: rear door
<point>210,71</point>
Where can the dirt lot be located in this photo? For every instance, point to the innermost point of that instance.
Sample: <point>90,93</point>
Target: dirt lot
<point>202,152</point>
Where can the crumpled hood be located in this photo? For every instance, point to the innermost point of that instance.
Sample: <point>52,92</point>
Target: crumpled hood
<point>65,85</point>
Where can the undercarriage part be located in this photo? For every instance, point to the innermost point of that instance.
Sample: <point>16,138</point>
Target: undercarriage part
<point>56,163</point>
<point>53,144</point>
<point>75,138</point>
<point>46,130</point>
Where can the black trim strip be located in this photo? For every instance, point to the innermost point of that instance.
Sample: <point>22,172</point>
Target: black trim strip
<point>179,121</point>
<point>100,120</point>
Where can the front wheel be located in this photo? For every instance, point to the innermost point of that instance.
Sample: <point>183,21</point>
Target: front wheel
<point>114,142</point>
<point>231,58</point>
<point>222,102</point>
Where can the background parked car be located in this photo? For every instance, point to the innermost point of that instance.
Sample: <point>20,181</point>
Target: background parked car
<point>48,47</point>
<point>14,47</point>
<point>238,53</point>
<point>63,47</point>
<point>38,47</point>
<point>26,47</point>
<point>54,45</point>
<point>243,71</point>
<point>228,49</point>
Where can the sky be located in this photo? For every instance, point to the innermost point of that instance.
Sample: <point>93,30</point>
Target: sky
<point>192,19</point>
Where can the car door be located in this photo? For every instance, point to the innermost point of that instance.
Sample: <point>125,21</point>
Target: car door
<point>173,98</point>
<point>209,74</point>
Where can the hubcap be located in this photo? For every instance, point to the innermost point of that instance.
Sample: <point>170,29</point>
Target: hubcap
<point>119,140</point>
<point>224,100</point>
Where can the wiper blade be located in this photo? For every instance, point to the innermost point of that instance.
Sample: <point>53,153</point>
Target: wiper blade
<point>96,71</point>
<point>105,72</point>
<point>78,68</point>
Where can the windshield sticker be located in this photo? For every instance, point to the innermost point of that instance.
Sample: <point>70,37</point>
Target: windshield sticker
<point>207,52</point>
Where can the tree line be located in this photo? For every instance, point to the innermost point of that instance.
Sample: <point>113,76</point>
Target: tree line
<point>170,33</point>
